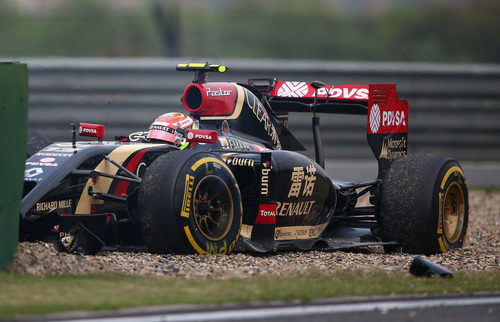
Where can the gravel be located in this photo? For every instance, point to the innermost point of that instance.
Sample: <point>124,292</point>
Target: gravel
<point>480,253</point>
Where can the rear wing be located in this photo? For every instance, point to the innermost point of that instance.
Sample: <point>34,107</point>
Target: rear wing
<point>298,97</point>
<point>387,121</point>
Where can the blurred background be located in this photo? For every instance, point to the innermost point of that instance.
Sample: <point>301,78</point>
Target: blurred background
<point>113,62</point>
<point>376,30</point>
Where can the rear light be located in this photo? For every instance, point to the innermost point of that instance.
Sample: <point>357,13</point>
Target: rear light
<point>93,130</point>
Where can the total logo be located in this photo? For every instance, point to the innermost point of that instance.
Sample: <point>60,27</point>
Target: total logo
<point>266,214</point>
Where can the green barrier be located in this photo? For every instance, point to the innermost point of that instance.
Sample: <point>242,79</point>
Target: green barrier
<point>13,127</point>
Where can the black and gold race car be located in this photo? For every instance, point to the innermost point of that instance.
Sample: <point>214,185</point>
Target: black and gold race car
<point>240,184</point>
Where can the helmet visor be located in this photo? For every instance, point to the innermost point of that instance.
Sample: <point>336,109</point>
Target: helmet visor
<point>162,135</point>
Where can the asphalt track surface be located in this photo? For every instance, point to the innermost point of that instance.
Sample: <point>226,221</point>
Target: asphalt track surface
<point>477,307</point>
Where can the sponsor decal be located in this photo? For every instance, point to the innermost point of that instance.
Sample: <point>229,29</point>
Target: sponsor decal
<point>42,164</point>
<point>205,136</point>
<point>165,128</point>
<point>33,172</point>
<point>393,148</point>
<point>344,92</point>
<point>44,154</point>
<point>266,214</point>
<point>386,113</point>
<point>45,160</point>
<point>66,239</point>
<point>218,92</point>
<point>184,123</point>
<point>293,89</point>
<point>305,90</point>
<point>242,162</point>
<point>51,205</point>
<point>261,115</point>
<point>375,118</point>
<point>136,136</point>
<point>264,182</point>
<point>393,118</point>
<point>188,196</point>
<point>61,148</point>
<point>86,130</point>
<point>294,208</point>
<point>89,129</point>
<point>298,232</point>
<point>234,144</point>
<point>387,121</point>
<point>302,182</point>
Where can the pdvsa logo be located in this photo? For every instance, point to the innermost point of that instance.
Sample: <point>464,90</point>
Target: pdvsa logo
<point>87,130</point>
<point>375,118</point>
<point>390,121</point>
<point>293,89</point>
<point>393,118</point>
<point>195,136</point>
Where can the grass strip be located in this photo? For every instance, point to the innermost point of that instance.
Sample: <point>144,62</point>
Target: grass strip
<point>27,295</point>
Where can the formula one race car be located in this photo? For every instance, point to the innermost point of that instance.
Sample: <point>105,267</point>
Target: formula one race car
<point>239,184</point>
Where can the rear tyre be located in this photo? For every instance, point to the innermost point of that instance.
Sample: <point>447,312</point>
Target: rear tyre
<point>35,142</point>
<point>189,202</point>
<point>424,204</point>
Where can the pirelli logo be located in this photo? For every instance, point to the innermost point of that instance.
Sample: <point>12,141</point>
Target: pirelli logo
<point>188,196</point>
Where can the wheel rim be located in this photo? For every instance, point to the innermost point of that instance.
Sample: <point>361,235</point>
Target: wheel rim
<point>454,212</point>
<point>213,208</point>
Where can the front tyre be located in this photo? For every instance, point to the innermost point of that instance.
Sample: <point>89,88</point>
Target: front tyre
<point>424,204</point>
<point>189,202</point>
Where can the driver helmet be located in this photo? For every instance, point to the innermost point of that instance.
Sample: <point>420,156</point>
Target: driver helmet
<point>171,128</point>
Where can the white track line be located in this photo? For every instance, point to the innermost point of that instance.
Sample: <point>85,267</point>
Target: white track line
<point>300,310</point>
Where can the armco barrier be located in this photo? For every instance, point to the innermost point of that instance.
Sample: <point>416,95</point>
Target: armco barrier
<point>454,109</point>
<point>13,122</point>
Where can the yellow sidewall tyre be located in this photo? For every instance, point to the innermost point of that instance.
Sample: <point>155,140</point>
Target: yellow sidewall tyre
<point>424,204</point>
<point>189,202</point>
